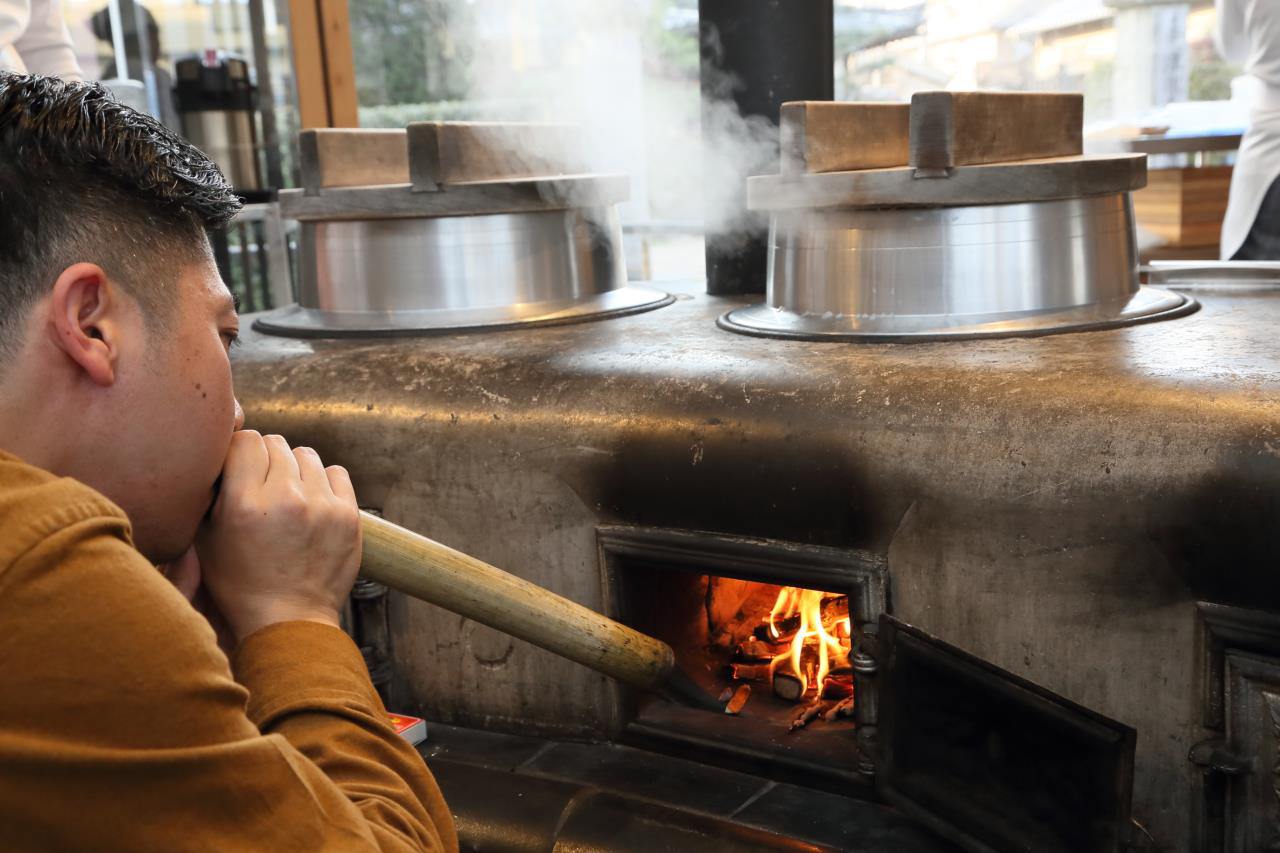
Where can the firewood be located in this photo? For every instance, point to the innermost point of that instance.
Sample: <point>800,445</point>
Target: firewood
<point>787,686</point>
<point>749,671</point>
<point>739,699</point>
<point>725,694</point>
<point>755,649</point>
<point>835,608</point>
<point>723,640</point>
<point>836,688</point>
<point>809,713</point>
<point>843,708</point>
<point>786,630</point>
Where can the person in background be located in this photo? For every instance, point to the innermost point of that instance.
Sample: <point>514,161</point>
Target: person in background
<point>1248,32</point>
<point>153,73</point>
<point>34,38</point>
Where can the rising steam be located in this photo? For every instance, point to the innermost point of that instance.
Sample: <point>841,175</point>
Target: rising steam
<point>594,64</point>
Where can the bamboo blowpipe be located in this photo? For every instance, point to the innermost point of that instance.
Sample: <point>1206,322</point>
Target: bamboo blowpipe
<point>435,573</point>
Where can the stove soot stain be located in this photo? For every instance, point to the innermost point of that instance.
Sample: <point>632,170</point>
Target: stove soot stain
<point>794,489</point>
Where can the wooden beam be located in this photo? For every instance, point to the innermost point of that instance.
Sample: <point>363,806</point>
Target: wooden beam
<point>837,136</point>
<point>989,183</point>
<point>452,152</point>
<point>950,129</point>
<point>342,157</point>
<point>339,63</point>
<point>323,61</point>
<point>308,63</point>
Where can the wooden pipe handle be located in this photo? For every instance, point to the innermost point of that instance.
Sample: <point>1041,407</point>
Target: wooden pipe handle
<point>427,570</point>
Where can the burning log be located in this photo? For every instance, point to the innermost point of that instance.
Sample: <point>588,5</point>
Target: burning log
<point>749,671</point>
<point>755,649</point>
<point>809,713</point>
<point>843,708</point>
<point>786,630</point>
<point>834,687</point>
<point>810,668</point>
<point>833,611</point>
<point>738,700</point>
<point>787,686</point>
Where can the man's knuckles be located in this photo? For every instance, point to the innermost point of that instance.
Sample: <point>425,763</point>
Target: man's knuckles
<point>245,439</point>
<point>345,517</point>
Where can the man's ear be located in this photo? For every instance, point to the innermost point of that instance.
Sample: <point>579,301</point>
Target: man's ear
<point>85,320</point>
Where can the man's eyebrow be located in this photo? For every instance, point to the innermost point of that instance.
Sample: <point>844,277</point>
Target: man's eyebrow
<point>235,302</point>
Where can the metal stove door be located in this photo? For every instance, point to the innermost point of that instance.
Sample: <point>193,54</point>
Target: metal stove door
<point>1248,761</point>
<point>992,761</point>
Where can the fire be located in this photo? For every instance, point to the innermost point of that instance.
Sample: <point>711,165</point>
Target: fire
<point>799,650</point>
<point>813,632</point>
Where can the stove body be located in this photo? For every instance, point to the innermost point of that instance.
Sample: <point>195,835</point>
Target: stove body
<point>1091,512</point>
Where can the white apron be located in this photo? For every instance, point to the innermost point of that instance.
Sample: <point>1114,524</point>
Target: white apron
<point>1257,165</point>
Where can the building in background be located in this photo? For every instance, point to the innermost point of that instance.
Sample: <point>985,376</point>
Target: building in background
<point>1064,45</point>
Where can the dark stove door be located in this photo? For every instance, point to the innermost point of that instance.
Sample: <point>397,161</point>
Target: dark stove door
<point>992,761</point>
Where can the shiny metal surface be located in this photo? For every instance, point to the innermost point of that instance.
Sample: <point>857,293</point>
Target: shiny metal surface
<point>388,276</point>
<point>983,271</point>
<point>1184,274</point>
<point>230,139</point>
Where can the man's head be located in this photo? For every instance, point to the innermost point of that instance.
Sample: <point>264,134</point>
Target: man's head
<point>114,322</point>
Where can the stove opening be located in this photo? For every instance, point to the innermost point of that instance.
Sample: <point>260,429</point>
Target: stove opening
<point>766,628</point>
<point>776,653</point>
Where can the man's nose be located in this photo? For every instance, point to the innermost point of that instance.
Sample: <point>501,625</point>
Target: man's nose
<point>239,416</point>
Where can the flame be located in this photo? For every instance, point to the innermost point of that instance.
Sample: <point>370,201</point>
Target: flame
<point>808,604</point>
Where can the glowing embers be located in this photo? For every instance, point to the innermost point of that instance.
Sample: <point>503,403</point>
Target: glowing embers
<point>799,649</point>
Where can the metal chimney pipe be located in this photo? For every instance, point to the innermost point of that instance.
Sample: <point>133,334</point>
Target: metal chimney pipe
<point>759,53</point>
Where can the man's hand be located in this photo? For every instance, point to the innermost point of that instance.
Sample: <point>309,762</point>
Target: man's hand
<point>184,573</point>
<point>283,541</point>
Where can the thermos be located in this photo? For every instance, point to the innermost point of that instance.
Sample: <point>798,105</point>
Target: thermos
<point>215,98</point>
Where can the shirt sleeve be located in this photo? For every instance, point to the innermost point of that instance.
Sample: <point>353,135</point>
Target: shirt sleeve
<point>13,20</point>
<point>1229,34</point>
<point>123,728</point>
<point>45,45</point>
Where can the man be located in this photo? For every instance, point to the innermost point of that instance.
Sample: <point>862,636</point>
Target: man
<point>122,724</point>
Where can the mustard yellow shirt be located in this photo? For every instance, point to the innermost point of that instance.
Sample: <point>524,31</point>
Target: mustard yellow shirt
<point>122,726</point>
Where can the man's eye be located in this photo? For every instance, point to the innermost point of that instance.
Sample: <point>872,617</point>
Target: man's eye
<point>232,339</point>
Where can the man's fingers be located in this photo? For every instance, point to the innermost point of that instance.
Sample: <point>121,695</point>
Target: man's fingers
<point>340,482</point>
<point>284,467</point>
<point>247,460</point>
<point>311,469</point>
<point>184,573</point>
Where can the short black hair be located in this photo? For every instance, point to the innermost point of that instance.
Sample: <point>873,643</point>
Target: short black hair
<point>85,178</point>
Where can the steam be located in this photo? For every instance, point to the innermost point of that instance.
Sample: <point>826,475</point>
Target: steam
<point>596,64</point>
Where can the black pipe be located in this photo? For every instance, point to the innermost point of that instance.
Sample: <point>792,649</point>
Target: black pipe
<point>758,54</point>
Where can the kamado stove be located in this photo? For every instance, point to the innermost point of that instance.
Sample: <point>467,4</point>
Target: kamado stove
<point>962,548</point>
